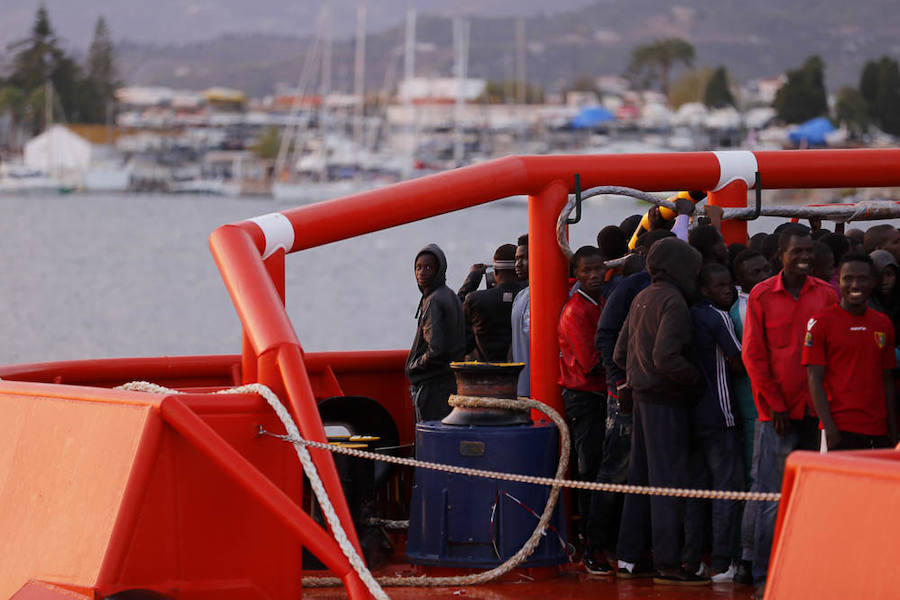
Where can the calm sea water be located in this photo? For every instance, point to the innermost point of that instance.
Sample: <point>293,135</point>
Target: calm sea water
<point>87,276</point>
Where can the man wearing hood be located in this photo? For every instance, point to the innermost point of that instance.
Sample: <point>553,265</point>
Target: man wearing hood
<point>654,349</point>
<point>440,338</point>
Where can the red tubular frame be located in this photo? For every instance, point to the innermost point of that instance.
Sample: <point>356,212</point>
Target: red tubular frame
<point>205,439</point>
<point>272,346</point>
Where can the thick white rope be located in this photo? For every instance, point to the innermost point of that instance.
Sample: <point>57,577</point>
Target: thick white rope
<point>556,483</point>
<point>528,548</point>
<point>308,467</point>
<point>563,483</point>
<point>300,446</point>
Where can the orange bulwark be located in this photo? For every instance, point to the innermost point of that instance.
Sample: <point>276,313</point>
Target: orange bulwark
<point>104,490</point>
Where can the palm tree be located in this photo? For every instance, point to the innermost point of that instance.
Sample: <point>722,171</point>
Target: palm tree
<point>656,60</point>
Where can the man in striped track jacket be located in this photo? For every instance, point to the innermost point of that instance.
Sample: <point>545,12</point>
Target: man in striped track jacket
<point>715,425</point>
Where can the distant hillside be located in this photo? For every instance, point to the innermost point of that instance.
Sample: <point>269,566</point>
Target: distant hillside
<point>180,21</point>
<point>753,39</point>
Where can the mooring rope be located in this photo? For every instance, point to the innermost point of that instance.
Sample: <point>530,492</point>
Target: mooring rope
<point>556,483</point>
<point>517,477</point>
<point>374,585</point>
<point>309,468</point>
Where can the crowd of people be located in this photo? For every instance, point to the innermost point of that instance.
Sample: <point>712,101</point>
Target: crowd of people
<point>688,364</point>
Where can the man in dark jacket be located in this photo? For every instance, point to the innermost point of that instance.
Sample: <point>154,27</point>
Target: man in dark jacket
<point>440,338</point>
<point>488,324</point>
<point>606,507</point>
<point>654,349</point>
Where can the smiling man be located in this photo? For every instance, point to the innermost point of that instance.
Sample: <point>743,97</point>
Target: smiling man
<point>778,311</point>
<point>849,354</point>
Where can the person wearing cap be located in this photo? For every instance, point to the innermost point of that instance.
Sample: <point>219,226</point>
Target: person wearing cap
<point>440,338</point>
<point>488,312</point>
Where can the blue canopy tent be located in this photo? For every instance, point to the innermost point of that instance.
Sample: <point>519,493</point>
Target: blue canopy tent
<point>812,132</point>
<point>591,116</point>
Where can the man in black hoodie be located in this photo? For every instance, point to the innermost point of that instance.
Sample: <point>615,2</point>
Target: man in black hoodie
<point>440,338</point>
<point>654,350</point>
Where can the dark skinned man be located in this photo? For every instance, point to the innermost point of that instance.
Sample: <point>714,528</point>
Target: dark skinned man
<point>488,312</point>
<point>520,348</point>
<point>750,268</point>
<point>582,379</point>
<point>778,311</point>
<point>440,337</point>
<point>654,348</point>
<point>849,354</point>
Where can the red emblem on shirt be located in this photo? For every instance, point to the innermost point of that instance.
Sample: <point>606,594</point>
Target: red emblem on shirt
<point>879,338</point>
<point>808,342</point>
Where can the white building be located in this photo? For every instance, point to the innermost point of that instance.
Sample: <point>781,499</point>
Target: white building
<point>439,89</point>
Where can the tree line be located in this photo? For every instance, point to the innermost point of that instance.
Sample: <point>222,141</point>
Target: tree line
<point>875,102</point>
<point>46,83</point>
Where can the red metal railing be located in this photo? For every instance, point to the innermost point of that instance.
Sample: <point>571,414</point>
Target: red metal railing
<point>272,353</point>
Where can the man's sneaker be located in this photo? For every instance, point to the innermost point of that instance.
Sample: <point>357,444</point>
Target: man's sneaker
<point>725,576</point>
<point>629,570</point>
<point>702,570</point>
<point>744,574</point>
<point>679,577</point>
<point>596,567</point>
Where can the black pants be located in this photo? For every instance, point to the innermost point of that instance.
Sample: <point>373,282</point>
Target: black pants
<point>606,507</point>
<point>716,460</point>
<point>586,417</point>
<point>429,397</point>
<point>659,457</point>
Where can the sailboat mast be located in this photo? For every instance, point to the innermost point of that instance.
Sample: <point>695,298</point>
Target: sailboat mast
<point>325,91</point>
<point>520,61</point>
<point>359,75</point>
<point>409,72</point>
<point>461,45</point>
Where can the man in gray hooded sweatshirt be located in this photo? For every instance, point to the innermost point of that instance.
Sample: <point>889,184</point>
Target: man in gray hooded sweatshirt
<point>440,338</point>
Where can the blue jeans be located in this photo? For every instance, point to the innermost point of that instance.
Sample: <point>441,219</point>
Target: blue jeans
<point>770,453</point>
<point>606,507</point>
<point>716,459</point>
<point>748,519</point>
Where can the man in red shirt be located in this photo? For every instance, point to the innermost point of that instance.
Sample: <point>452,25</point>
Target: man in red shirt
<point>582,378</point>
<point>849,354</point>
<point>778,310</point>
